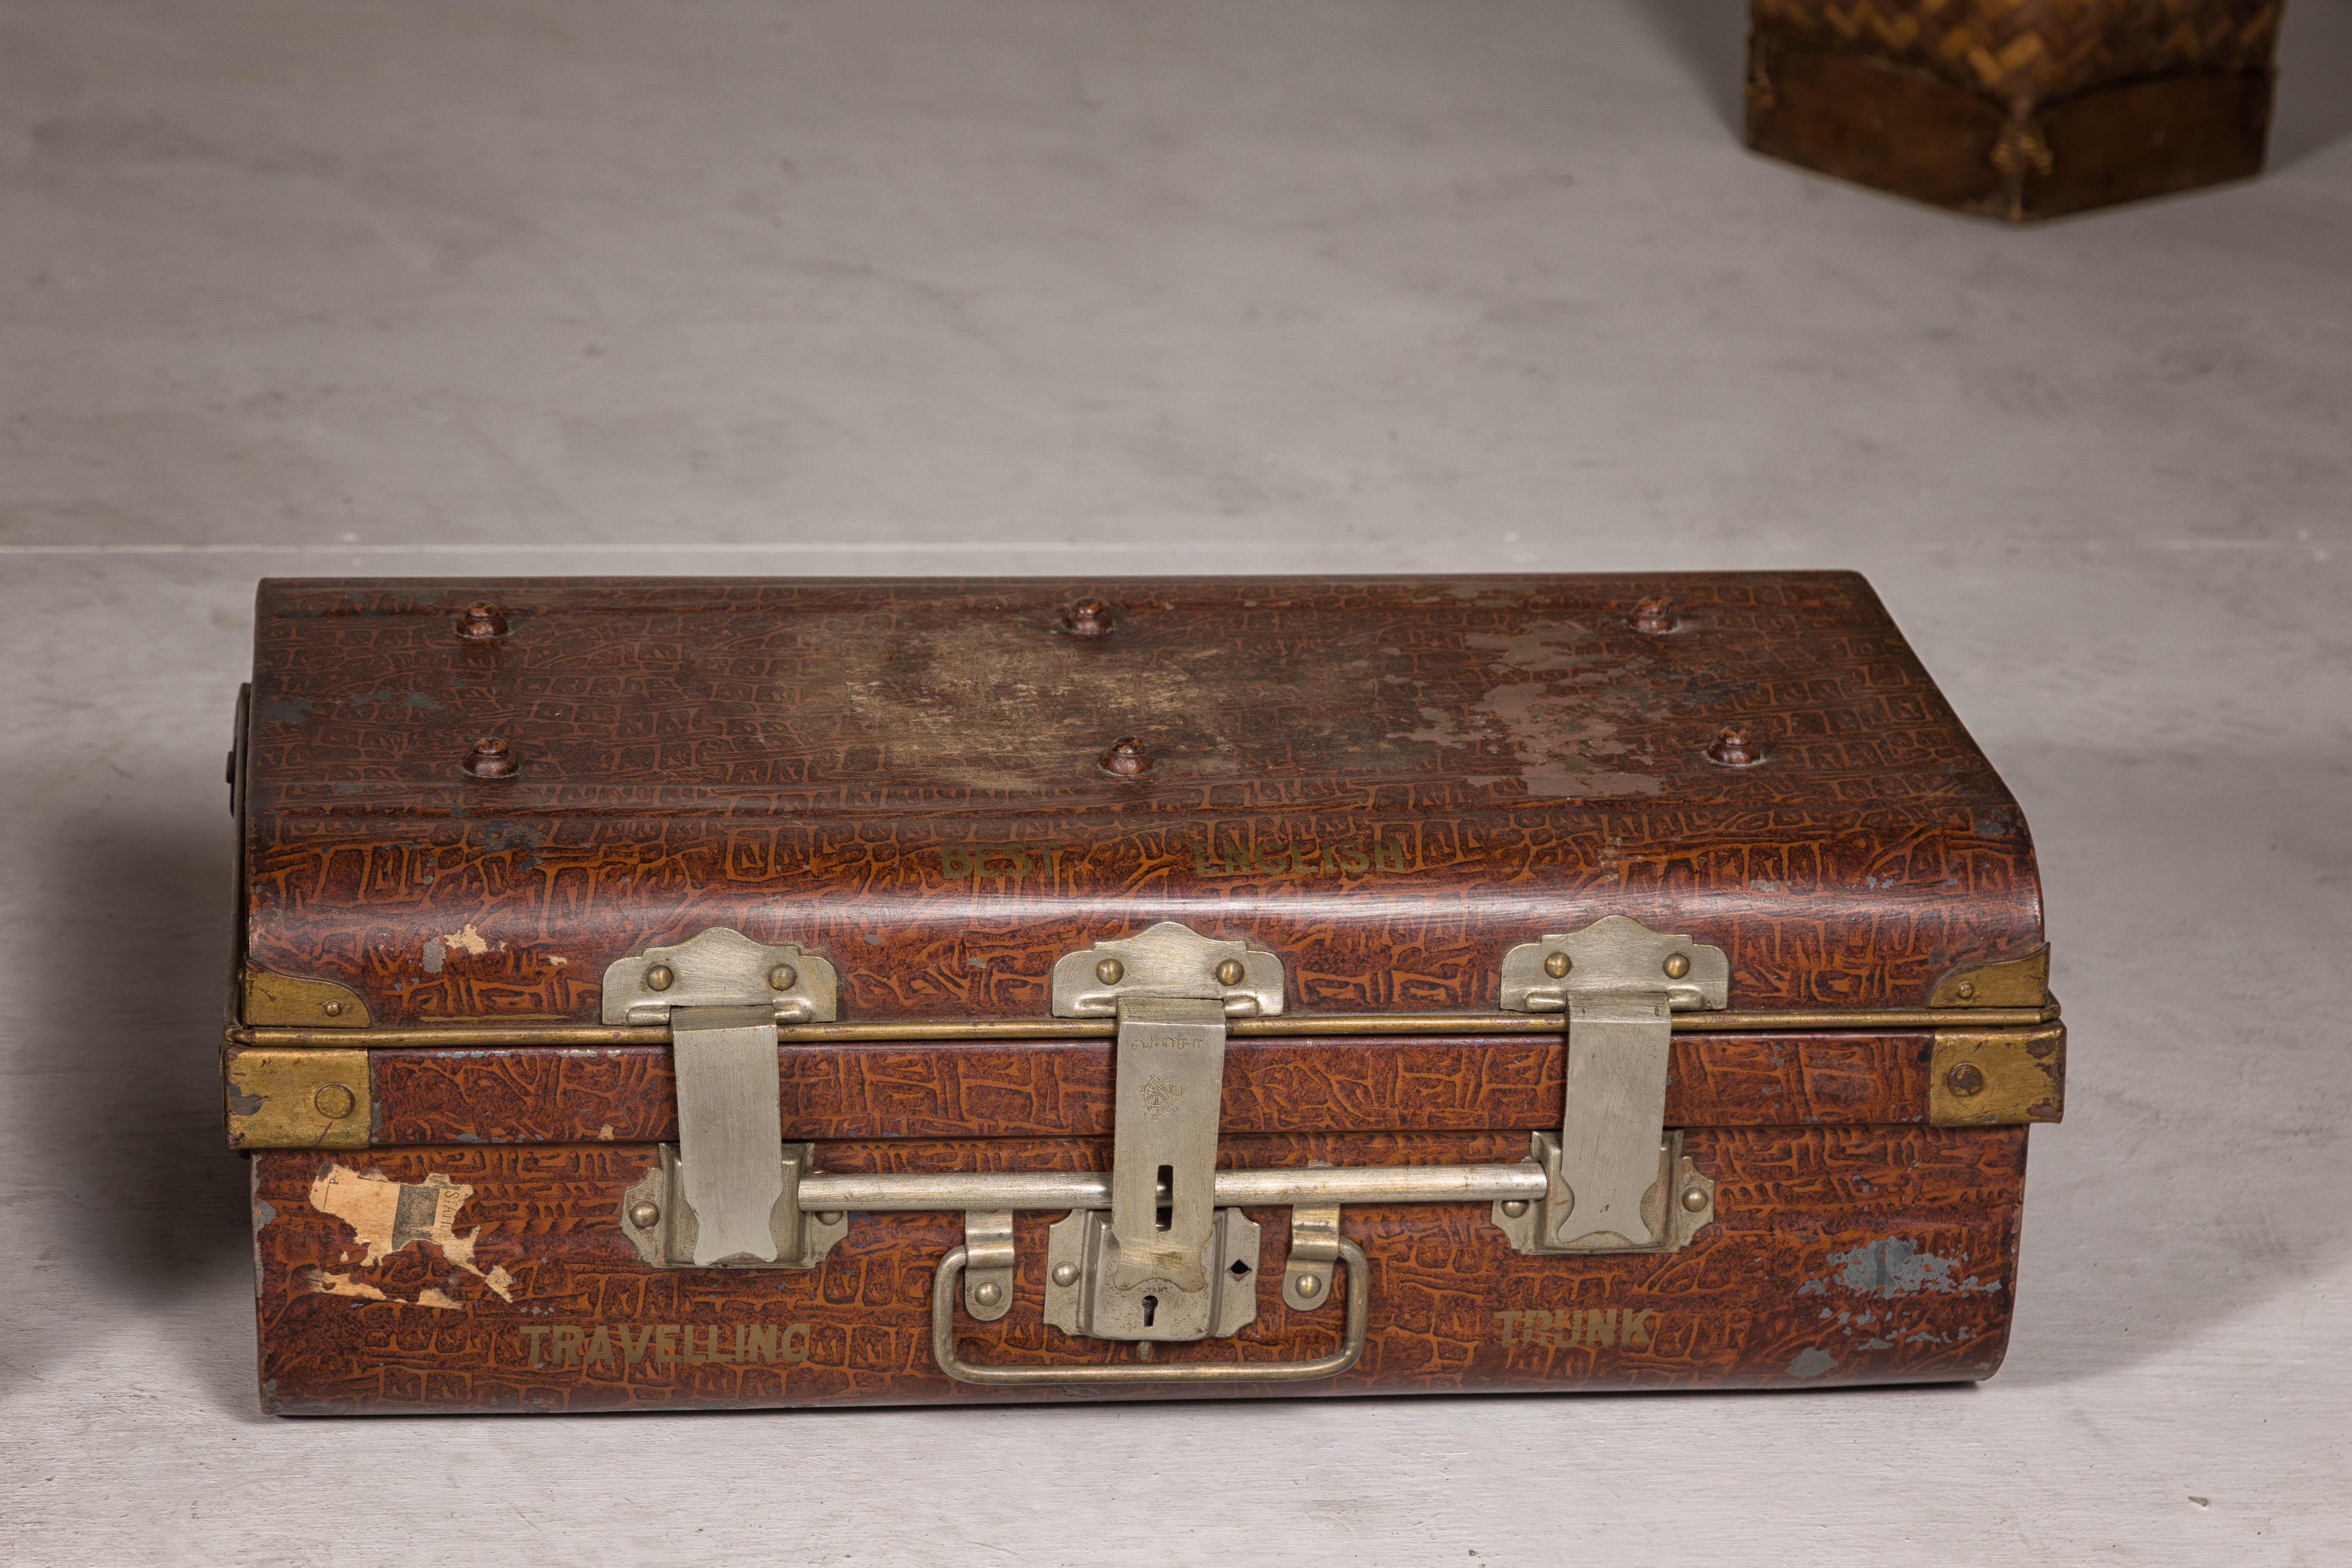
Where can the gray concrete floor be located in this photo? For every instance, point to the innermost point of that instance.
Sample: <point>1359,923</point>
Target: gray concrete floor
<point>919,287</point>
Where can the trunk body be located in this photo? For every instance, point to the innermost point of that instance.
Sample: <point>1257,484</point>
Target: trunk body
<point>472,813</point>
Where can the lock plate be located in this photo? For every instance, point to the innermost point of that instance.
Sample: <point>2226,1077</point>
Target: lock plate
<point>1083,1298</point>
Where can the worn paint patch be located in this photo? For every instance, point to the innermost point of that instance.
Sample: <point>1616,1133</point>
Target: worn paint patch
<point>1895,1267</point>
<point>386,1215</point>
<point>466,939</point>
<point>327,1284</point>
<point>495,836</point>
<point>605,1133</point>
<point>1811,1362</point>
<point>264,1211</point>
<point>1561,730</point>
<point>285,710</point>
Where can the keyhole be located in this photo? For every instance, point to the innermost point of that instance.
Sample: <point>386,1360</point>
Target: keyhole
<point>1167,1210</point>
<point>1150,1308</point>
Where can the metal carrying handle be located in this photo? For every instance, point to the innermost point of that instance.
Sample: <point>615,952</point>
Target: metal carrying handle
<point>1352,1345</point>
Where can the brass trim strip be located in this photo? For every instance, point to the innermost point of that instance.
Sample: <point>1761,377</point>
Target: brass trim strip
<point>946,1031</point>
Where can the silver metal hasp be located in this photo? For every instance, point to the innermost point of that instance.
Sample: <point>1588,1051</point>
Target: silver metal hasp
<point>1619,983</point>
<point>1164,1262</point>
<point>722,995</point>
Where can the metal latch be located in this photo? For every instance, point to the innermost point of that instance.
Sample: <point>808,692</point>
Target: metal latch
<point>666,1227</point>
<point>728,1187</point>
<point>1619,983</point>
<point>1165,1263</point>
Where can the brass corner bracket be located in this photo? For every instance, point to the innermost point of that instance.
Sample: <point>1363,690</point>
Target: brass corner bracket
<point>289,999</point>
<point>1997,1077</point>
<point>297,1098</point>
<point>2011,982</point>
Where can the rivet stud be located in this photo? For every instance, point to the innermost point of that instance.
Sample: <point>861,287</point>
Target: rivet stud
<point>1966,1079</point>
<point>829,1217</point>
<point>1515,1207</point>
<point>660,977</point>
<point>1555,964</point>
<point>1088,618</point>
<point>481,621</point>
<point>1677,965</point>
<point>334,1102</point>
<point>1309,1285</point>
<point>491,758</point>
<point>1732,748</point>
<point>644,1215</point>
<point>987,1293</point>
<point>1066,1274</point>
<point>1965,990</point>
<point>1126,758</point>
<point>783,977</point>
<point>331,1009</point>
<point>1653,616</point>
<point>1230,971</point>
<point>1695,1199</point>
<point>1109,971</point>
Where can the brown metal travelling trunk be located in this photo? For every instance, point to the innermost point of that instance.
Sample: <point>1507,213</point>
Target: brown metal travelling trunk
<point>668,993</point>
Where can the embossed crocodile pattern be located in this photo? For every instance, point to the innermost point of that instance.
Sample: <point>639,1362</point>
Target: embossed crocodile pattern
<point>1387,783</point>
<point>543,1095</point>
<point>1841,1256</point>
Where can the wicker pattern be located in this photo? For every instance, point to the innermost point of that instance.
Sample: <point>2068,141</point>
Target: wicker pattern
<point>2025,53</point>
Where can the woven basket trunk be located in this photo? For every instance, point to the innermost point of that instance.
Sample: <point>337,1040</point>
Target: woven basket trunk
<point>2020,110</point>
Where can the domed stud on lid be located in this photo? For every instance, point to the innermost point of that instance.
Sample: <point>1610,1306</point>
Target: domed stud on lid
<point>1088,618</point>
<point>1653,616</point>
<point>1126,758</point>
<point>479,621</point>
<point>491,758</point>
<point>1734,748</point>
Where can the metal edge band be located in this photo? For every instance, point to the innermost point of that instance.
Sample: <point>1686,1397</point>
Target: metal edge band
<point>1351,1345</point>
<point>1288,1025</point>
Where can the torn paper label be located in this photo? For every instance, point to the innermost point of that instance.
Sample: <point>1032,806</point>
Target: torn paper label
<point>386,1215</point>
